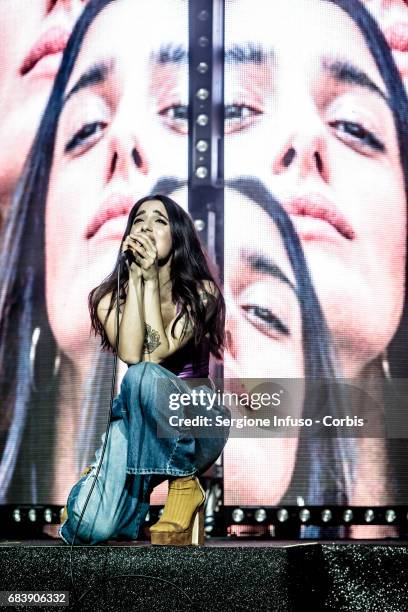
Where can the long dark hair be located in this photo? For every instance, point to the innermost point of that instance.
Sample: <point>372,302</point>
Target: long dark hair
<point>398,103</point>
<point>189,267</point>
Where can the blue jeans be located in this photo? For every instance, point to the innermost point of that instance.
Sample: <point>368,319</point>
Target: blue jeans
<point>136,459</point>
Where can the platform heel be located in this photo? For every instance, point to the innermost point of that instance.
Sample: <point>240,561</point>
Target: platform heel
<point>182,521</point>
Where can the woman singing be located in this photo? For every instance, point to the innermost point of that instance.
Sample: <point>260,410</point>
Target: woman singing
<point>171,317</point>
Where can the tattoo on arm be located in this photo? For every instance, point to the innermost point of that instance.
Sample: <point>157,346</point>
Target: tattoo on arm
<point>189,327</point>
<point>207,300</point>
<point>151,339</point>
<point>205,295</point>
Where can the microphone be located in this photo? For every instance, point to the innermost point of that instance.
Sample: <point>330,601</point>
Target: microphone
<point>127,256</point>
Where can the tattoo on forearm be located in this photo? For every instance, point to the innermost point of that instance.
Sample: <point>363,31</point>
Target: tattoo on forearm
<point>189,327</point>
<point>151,339</point>
<point>207,301</point>
<point>205,295</point>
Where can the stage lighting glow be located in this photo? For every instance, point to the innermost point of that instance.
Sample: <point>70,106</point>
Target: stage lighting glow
<point>202,68</point>
<point>202,93</point>
<point>369,515</point>
<point>17,515</point>
<point>282,515</point>
<point>32,515</point>
<point>202,146</point>
<point>202,120</point>
<point>304,515</point>
<point>201,172</point>
<point>48,515</point>
<point>203,41</point>
<point>326,515</point>
<point>260,515</point>
<point>199,225</point>
<point>238,515</point>
<point>348,515</point>
<point>203,15</point>
<point>390,515</point>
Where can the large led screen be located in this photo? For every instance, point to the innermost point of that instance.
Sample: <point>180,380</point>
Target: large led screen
<point>315,247</point>
<point>316,166</point>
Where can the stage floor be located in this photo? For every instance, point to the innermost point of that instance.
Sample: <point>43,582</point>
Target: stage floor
<point>218,542</point>
<point>227,573</point>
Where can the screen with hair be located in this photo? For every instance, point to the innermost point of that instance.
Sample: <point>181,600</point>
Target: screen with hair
<point>313,122</point>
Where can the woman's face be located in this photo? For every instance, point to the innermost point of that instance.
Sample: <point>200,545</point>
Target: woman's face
<point>306,103</point>
<point>33,39</point>
<point>392,17</point>
<point>263,327</point>
<point>263,322</point>
<point>122,128</point>
<point>152,220</point>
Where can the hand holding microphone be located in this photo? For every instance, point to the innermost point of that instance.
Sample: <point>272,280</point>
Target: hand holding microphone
<point>128,255</point>
<point>140,254</point>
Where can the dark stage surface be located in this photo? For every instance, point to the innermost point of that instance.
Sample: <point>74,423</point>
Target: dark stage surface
<point>217,542</point>
<point>225,574</point>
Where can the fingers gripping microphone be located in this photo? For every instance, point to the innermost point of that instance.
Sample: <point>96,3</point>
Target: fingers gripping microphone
<point>128,256</point>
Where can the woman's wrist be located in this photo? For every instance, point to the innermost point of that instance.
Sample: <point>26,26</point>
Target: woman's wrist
<point>151,282</point>
<point>135,277</point>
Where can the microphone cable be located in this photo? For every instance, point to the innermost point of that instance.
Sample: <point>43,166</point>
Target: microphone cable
<point>75,599</point>
<point>115,360</point>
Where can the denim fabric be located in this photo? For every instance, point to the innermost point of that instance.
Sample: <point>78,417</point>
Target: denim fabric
<point>136,459</point>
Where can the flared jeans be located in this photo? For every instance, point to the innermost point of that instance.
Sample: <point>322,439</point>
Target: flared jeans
<point>148,442</point>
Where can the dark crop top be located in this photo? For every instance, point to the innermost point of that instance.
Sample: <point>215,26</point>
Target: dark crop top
<point>189,361</point>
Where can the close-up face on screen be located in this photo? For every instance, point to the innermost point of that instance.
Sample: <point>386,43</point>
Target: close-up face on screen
<point>314,217</point>
<point>123,108</point>
<point>309,121</point>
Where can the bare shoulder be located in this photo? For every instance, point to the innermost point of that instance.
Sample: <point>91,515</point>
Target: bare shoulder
<point>105,301</point>
<point>103,306</point>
